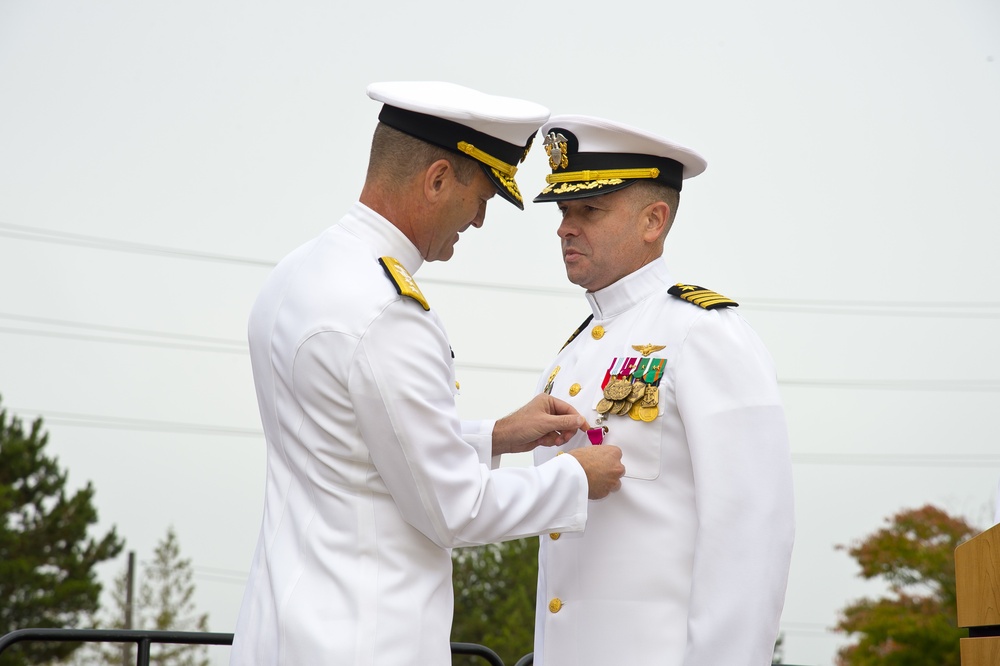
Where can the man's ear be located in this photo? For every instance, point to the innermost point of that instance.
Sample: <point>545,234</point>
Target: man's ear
<point>437,179</point>
<point>656,221</point>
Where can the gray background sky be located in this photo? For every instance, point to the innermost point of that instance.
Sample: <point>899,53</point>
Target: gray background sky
<point>849,204</point>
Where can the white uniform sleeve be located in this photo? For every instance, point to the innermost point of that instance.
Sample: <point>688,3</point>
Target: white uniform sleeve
<point>400,388</point>
<point>728,400</point>
<point>480,435</point>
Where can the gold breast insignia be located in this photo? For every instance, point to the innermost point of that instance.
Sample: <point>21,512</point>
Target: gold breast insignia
<point>646,350</point>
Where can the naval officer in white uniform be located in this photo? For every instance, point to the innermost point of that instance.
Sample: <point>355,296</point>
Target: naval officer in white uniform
<point>371,477</point>
<point>687,564</point>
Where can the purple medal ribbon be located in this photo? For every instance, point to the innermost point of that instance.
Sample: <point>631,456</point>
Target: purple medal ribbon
<point>596,435</point>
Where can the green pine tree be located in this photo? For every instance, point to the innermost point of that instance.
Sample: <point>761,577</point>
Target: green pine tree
<point>47,559</point>
<point>164,602</point>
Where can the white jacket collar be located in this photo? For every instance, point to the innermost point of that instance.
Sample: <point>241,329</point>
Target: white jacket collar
<point>382,235</point>
<point>635,287</point>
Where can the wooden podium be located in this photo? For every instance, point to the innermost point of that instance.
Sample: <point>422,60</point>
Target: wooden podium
<point>977,587</point>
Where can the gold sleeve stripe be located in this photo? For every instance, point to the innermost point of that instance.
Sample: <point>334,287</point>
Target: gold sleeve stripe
<point>575,176</point>
<point>506,169</point>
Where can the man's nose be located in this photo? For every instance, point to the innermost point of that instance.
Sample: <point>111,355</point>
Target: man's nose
<point>567,228</point>
<point>481,218</point>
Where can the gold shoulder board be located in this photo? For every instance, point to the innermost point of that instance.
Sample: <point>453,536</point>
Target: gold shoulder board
<point>701,297</point>
<point>403,281</point>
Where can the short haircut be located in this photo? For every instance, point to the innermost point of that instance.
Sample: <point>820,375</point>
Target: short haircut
<point>645,192</point>
<point>396,157</point>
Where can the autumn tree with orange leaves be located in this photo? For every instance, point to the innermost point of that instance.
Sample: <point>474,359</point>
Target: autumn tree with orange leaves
<point>916,625</point>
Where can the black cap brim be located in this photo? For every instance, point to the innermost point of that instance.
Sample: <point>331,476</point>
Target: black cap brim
<point>506,187</point>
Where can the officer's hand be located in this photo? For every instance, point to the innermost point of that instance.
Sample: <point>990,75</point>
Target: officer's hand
<point>545,421</point>
<point>603,465</point>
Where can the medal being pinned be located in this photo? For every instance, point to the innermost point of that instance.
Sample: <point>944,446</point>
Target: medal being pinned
<point>631,386</point>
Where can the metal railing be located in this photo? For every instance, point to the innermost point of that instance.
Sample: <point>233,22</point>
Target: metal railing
<point>529,660</point>
<point>143,640</point>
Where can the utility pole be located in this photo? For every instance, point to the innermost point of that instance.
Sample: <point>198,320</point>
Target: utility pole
<point>129,594</point>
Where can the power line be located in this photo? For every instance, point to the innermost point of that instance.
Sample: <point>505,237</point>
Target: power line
<point>971,460</point>
<point>216,574</point>
<point>964,385</point>
<point>949,309</point>
<point>222,571</point>
<point>840,303</point>
<point>118,329</point>
<point>239,347</point>
<point>948,385</point>
<point>964,310</point>
<point>81,420</point>
<point>99,243</point>
<point>944,309</point>
<point>498,367</point>
<point>220,579</point>
<point>974,460</point>
<point>513,288</point>
<point>134,336</point>
<point>126,341</point>
<point>221,575</point>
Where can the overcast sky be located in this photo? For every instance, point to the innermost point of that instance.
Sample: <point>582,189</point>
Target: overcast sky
<point>157,158</point>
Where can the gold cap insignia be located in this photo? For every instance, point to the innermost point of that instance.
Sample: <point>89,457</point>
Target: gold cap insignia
<point>556,144</point>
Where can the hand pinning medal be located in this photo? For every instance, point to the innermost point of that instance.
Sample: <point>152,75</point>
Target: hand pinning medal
<point>596,435</point>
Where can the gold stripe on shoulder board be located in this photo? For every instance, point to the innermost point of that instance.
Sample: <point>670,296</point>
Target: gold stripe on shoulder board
<point>402,280</point>
<point>701,297</point>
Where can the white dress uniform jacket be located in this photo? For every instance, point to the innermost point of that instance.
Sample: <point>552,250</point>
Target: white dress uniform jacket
<point>371,478</point>
<point>687,564</point>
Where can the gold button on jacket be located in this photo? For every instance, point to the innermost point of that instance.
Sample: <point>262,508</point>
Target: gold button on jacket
<point>555,605</point>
